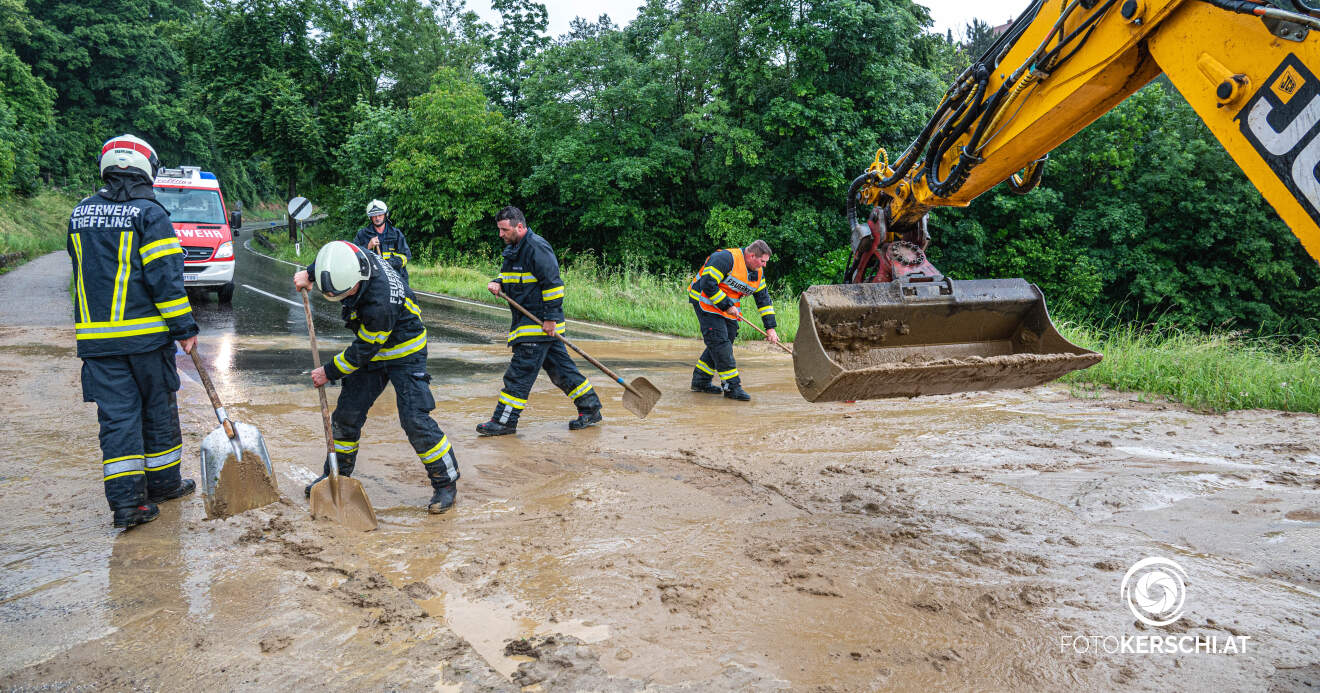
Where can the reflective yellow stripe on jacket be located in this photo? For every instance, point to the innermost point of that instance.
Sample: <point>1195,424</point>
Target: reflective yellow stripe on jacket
<point>158,249</point>
<point>533,331</point>
<point>120,328</point>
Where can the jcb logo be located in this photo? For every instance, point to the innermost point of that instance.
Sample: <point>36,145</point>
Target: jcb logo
<point>1280,122</point>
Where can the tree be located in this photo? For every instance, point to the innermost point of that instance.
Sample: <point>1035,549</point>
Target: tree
<point>452,168</point>
<point>114,70</point>
<point>520,36</point>
<point>26,105</point>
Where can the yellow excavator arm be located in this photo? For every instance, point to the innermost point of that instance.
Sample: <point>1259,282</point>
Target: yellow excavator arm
<point>1249,68</point>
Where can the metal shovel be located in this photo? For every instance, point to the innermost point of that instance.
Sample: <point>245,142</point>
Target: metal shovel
<point>639,396</point>
<point>336,497</point>
<point>236,471</point>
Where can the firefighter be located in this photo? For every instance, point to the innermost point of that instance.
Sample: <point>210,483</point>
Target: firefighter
<point>384,238</point>
<point>725,277</point>
<point>389,347</point>
<point>130,307</point>
<point>530,276</point>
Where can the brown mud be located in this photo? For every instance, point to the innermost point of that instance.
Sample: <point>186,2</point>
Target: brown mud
<point>951,542</point>
<point>243,485</point>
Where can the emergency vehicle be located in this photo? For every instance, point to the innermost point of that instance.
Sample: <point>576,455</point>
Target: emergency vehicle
<point>205,230</point>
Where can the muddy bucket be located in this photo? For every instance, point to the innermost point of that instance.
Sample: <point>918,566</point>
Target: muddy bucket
<point>904,339</point>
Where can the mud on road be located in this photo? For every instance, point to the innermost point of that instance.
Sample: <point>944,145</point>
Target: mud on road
<point>946,542</point>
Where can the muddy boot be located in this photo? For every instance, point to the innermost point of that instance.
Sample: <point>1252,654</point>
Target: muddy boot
<point>701,383</point>
<point>495,428</point>
<point>136,515</point>
<point>585,419</point>
<point>442,499</point>
<point>734,391</point>
<point>185,487</point>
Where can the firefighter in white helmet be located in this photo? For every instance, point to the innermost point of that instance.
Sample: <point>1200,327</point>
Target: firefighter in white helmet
<point>130,307</point>
<point>389,348</point>
<point>384,238</point>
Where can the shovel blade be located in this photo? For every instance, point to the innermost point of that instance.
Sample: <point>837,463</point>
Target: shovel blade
<point>352,510</point>
<point>236,482</point>
<point>640,397</point>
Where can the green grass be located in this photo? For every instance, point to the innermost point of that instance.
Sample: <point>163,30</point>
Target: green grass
<point>33,226</point>
<point>268,210</point>
<point>1219,372</point>
<point>624,295</point>
<point>1216,372</point>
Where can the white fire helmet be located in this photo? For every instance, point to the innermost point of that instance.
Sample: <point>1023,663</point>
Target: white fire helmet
<point>339,266</point>
<point>128,152</point>
<point>376,207</point>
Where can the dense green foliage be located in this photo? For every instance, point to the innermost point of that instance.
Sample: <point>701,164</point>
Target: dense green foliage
<point>698,125</point>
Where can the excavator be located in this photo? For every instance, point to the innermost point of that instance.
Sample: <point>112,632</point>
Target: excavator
<point>897,327</point>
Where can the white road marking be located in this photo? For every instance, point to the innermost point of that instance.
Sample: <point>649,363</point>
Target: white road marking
<point>277,298</point>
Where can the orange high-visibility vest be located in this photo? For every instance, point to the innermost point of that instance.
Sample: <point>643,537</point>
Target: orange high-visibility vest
<point>734,285</point>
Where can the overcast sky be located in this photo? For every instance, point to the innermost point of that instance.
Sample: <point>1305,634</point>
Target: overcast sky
<point>948,14</point>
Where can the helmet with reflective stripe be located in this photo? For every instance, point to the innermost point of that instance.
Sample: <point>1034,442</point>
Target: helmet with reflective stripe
<point>376,207</point>
<point>339,266</point>
<point>127,152</point>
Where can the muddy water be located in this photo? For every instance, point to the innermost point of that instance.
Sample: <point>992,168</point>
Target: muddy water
<point>945,542</point>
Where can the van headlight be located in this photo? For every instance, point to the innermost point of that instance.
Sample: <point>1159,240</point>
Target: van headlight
<point>226,250</point>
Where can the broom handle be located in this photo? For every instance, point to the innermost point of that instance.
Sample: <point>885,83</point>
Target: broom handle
<point>572,346</point>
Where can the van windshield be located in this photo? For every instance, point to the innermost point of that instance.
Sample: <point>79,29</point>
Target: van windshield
<point>192,206</point>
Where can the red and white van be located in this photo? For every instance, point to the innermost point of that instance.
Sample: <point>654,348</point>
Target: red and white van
<point>205,228</point>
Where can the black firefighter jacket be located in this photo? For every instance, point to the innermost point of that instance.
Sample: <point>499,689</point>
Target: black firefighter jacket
<point>128,278</point>
<point>385,320</point>
<point>530,276</point>
<point>393,247</point>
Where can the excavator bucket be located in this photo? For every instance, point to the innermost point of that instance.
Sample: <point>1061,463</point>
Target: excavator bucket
<point>909,338</point>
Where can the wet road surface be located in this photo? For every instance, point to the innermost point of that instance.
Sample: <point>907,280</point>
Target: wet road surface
<point>946,542</point>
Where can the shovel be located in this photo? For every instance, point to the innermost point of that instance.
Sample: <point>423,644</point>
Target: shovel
<point>639,396</point>
<point>740,316</point>
<point>236,471</point>
<point>337,498</point>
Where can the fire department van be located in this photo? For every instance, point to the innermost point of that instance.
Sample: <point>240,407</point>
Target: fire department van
<point>205,229</point>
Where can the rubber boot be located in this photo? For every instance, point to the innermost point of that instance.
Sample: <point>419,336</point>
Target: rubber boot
<point>584,419</point>
<point>495,428</point>
<point>133,516</point>
<point>733,390</point>
<point>445,490</point>
<point>701,383</point>
<point>185,487</point>
<point>345,469</point>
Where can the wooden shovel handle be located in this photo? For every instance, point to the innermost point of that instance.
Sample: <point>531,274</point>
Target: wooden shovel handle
<point>754,327</point>
<point>210,391</point>
<point>572,346</point>
<point>316,363</point>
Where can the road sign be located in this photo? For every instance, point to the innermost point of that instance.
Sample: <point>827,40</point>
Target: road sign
<point>300,208</point>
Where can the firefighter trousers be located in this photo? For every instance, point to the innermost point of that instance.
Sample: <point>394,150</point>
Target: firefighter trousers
<point>528,360</point>
<point>718,333</point>
<point>412,392</point>
<point>138,412</point>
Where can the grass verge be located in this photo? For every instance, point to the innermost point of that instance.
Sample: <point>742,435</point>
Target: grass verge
<point>33,226</point>
<point>1216,372</point>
